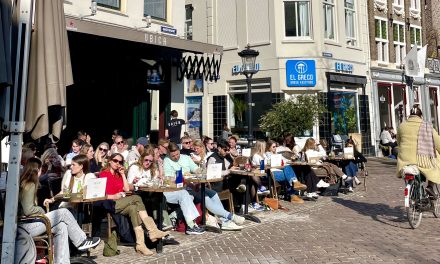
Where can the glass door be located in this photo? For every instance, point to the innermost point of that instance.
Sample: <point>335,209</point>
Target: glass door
<point>399,98</point>
<point>385,101</point>
<point>433,106</point>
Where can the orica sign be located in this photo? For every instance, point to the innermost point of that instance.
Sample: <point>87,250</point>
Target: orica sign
<point>300,73</point>
<point>236,69</point>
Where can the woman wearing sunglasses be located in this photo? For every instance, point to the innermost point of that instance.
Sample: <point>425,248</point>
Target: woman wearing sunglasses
<point>131,206</point>
<point>101,154</point>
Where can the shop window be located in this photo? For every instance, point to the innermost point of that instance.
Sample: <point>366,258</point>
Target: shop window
<point>415,34</point>
<point>329,19</point>
<point>156,9</point>
<point>344,112</point>
<point>350,23</point>
<point>239,117</point>
<point>112,4</point>
<point>384,94</point>
<point>189,21</point>
<point>399,42</point>
<point>399,99</point>
<point>297,19</point>
<point>433,106</point>
<point>219,111</point>
<point>381,33</point>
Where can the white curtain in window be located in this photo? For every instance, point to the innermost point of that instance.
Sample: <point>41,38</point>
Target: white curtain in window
<point>328,20</point>
<point>155,8</point>
<point>349,24</point>
<point>303,11</point>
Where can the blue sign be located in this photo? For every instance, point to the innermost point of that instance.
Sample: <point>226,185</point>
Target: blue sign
<point>236,69</point>
<point>343,67</point>
<point>300,73</point>
<point>168,30</point>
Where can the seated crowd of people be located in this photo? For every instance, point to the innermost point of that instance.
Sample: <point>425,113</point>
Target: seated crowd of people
<point>146,163</point>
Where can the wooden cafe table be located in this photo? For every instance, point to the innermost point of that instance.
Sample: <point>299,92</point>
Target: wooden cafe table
<point>160,189</point>
<point>248,174</point>
<point>203,181</point>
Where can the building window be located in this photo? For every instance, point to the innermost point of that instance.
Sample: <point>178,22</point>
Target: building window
<point>381,40</point>
<point>188,22</point>
<point>350,26</point>
<point>398,2</point>
<point>156,9</point>
<point>113,4</point>
<point>297,18</point>
<point>329,19</point>
<point>399,42</point>
<point>415,34</point>
<point>415,4</point>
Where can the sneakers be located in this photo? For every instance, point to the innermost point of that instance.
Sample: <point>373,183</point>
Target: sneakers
<point>297,185</point>
<point>356,180</point>
<point>262,190</point>
<point>350,189</point>
<point>344,177</point>
<point>322,184</point>
<point>231,226</point>
<point>257,207</point>
<point>212,221</point>
<point>167,227</point>
<point>296,199</point>
<point>239,220</point>
<point>241,188</point>
<point>312,195</point>
<point>90,242</point>
<point>196,230</point>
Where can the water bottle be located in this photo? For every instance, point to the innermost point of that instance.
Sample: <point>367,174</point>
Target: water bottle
<point>179,178</point>
<point>262,166</point>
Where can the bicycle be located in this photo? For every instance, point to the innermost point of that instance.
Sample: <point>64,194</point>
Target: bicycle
<point>418,198</point>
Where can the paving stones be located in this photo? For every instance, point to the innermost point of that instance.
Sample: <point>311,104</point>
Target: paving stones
<point>363,227</point>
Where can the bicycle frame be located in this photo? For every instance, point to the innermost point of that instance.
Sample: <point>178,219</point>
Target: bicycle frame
<point>416,181</point>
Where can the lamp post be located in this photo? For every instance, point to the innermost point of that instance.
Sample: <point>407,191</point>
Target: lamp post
<point>248,69</point>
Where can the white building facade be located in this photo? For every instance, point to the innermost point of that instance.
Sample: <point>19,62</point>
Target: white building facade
<point>305,47</point>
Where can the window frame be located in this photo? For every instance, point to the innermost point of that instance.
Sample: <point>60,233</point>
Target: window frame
<point>155,17</point>
<point>348,39</point>
<point>415,4</point>
<point>399,46</point>
<point>329,7</point>
<point>419,30</point>
<point>309,10</point>
<point>384,42</point>
<point>188,21</point>
<point>110,6</point>
<point>398,2</point>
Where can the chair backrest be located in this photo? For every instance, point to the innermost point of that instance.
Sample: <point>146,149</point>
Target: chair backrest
<point>240,160</point>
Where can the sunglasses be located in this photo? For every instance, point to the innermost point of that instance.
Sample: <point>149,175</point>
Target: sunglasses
<point>149,160</point>
<point>103,149</point>
<point>119,142</point>
<point>186,142</point>
<point>118,161</point>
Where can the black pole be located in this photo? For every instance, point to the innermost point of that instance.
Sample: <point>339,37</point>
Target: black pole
<point>248,82</point>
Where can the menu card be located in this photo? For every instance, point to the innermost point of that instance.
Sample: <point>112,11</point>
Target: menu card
<point>246,152</point>
<point>214,171</point>
<point>275,160</point>
<point>96,188</point>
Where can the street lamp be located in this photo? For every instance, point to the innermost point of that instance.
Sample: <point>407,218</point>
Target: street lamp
<point>248,69</point>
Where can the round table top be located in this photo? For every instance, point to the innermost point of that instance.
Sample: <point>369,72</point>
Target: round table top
<point>160,189</point>
<point>248,173</point>
<point>76,198</point>
<point>201,180</point>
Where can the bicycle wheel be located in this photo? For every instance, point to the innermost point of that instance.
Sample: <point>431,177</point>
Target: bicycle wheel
<point>436,202</point>
<point>414,212</point>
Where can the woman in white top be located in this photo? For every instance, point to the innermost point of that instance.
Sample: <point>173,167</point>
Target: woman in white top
<point>199,156</point>
<point>144,171</point>
<point>75,179</point>
<point>258,155</point>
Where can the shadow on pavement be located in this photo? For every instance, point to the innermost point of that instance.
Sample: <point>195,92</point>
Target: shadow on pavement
<point>383,213</point>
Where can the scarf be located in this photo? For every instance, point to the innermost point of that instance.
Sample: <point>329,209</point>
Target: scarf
<point>426,154</point>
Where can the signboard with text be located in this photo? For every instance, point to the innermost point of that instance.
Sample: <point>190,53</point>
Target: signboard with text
<point>300,73</point>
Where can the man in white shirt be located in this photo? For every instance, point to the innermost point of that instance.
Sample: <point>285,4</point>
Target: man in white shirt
<point>135,153</point>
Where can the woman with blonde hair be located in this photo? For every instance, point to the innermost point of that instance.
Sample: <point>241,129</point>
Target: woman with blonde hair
<point>199,156</point>
<point>88,151</point>
<point>101,154</point>
<point>131,206</point>
<point>64,225</point>
<point>258,154</point>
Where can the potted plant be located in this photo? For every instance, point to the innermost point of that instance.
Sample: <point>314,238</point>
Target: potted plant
<point>239,109</point>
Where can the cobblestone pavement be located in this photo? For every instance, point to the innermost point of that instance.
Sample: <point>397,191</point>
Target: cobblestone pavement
<point>364,227</point>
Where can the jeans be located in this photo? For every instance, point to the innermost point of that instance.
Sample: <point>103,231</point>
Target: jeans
<point>286,175</point>
<point>215,206</point>
<point>351,170</point>
<point>186,203</point>
<point>64,226</point>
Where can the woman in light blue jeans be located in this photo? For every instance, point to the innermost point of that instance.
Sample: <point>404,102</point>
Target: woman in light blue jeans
<point>64,225</point>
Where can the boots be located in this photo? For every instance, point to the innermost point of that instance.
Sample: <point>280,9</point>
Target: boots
<point>140,242</point>
<point>153,233</point>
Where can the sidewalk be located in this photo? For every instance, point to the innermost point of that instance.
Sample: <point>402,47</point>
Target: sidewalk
<point>355,228</point>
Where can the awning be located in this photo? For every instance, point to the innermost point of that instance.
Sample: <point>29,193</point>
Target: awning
<point>202,62</point>
<point>49,71</point>
<point>346,78</point>
<point>126,33</point>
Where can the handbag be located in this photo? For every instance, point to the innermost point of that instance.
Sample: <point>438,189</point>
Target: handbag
<point>273,203</point>
<point>111,246</point>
